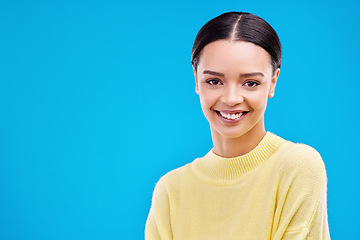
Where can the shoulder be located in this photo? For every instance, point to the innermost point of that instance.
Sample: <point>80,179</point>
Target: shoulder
<point>172,178</point>
<point>295,155</point>
<point>175,174</point>
<point>302,155</point>
<point>302,165</point>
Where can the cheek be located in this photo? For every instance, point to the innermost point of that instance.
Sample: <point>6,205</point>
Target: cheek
<point>207,99</point>
<point>258,100</point>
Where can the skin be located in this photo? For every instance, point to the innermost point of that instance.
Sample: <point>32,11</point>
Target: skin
<point>235,76</point>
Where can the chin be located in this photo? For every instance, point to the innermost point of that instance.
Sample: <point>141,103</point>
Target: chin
<point>230,133</point>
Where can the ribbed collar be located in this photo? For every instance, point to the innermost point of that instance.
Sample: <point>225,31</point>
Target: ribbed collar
<point>220,170</point>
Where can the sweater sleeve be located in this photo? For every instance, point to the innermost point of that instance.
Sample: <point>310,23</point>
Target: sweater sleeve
<point>158,225</point>
<point>301,211</point>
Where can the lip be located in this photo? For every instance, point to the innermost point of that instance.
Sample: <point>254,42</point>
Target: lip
<point>231,121</point>
<point>230,111</point>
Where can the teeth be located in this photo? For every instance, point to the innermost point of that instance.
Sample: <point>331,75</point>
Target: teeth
<point>231,116</point>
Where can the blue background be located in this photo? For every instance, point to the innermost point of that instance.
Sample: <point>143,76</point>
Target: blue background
<point>97,102</point>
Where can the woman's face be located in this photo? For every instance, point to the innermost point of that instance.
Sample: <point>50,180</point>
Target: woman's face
<point>234,81</point>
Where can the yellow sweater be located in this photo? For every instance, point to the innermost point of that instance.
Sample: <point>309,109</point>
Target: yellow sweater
<point>276,191</point>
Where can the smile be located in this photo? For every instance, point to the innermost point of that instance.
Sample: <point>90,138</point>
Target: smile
<point>231,117</point>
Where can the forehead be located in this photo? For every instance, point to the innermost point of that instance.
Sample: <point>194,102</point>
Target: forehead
<point>239,56</point>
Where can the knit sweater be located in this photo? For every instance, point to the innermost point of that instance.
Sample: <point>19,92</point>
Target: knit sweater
<point>276,191</point>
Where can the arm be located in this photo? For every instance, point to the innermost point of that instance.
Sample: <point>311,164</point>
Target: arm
<point>301,211</point>
<point>158,225</point>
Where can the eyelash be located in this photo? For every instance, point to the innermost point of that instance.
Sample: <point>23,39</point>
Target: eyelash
<point>252,82</point>
<point>211,82</point>
<point>214,82</point>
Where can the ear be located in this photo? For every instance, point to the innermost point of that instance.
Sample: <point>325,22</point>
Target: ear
<point>196,81</point>
<point>273,83</point>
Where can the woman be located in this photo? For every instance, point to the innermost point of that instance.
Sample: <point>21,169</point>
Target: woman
<point>252,184</point>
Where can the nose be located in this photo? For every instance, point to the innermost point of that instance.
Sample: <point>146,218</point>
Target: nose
<point>232,96</point>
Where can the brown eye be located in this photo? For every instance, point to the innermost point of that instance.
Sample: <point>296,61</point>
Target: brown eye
<point>251,84</point>
<point>213,82</point>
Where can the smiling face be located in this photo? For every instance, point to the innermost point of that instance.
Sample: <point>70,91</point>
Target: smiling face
<point>234,80</point>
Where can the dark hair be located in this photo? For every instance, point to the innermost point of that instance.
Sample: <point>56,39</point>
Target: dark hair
<point>238,26</point>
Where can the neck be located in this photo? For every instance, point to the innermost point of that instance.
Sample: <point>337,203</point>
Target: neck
<point>234,147</point>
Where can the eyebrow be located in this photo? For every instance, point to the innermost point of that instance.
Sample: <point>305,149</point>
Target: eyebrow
<point>213,73</point>
<point>252,74</point>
